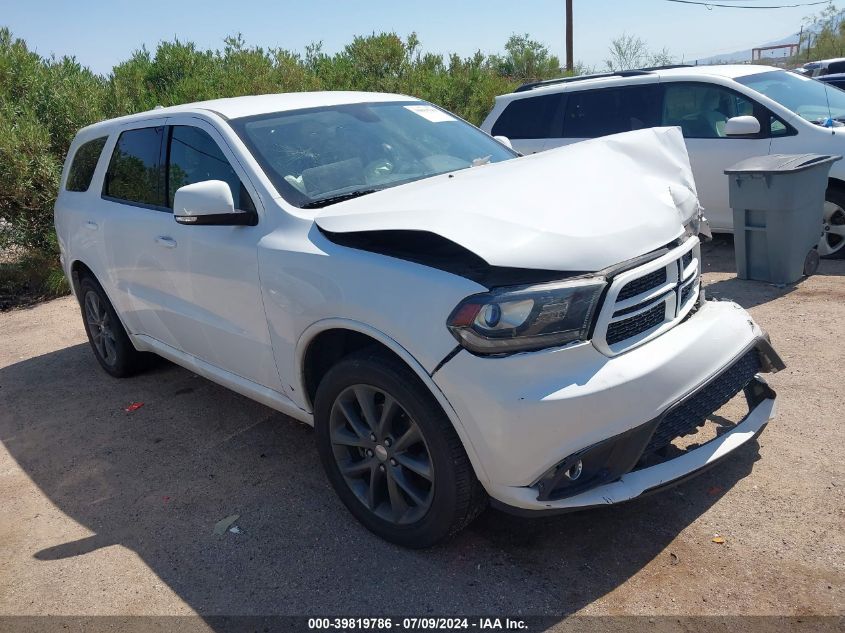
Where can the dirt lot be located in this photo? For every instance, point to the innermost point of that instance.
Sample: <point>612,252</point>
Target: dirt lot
<point>109,512</point>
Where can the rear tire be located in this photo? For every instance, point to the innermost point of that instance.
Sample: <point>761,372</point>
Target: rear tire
<point>109,341</point>
<point>391,453</point>
<point>832,243</point>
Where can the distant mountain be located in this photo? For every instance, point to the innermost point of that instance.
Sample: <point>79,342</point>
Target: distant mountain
<point>744,56</point>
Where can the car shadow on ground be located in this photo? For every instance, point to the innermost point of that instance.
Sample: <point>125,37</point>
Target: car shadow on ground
<point>718,257</point>
<point>158,479</point>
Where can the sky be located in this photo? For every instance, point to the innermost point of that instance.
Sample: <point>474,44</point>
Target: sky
<point>101,34</point>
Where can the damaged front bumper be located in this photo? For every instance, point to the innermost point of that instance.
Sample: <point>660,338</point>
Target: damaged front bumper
<point>653,478</point>
<point>647,447</point>
<point>675,382</point>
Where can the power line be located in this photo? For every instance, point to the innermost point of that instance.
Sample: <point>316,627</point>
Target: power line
<point>710,5</point>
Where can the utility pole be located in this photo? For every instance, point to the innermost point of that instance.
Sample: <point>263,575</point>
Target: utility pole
<point>569,61</point>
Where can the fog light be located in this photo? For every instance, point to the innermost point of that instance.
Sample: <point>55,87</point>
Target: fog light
<point>573,473</point>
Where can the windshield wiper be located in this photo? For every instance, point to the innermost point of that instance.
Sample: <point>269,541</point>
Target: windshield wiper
<point>324,202</point>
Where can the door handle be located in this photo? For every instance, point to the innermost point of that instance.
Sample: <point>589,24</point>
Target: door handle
<point>166,241</point>
<point>91,225</point>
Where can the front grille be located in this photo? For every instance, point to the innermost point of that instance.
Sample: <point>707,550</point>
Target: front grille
<point>630,311</point>
<point>643,284</point>
<point>629,328</point>
<point>688,415</point>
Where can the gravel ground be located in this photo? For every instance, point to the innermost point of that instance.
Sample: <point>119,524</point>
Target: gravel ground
<point>106,512</point>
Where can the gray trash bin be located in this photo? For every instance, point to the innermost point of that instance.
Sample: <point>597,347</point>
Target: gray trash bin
<point>778,207</point>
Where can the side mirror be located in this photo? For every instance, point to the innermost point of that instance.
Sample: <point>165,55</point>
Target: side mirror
<point>504,140</point>
<point>742,126</point>
<point>209,203</point>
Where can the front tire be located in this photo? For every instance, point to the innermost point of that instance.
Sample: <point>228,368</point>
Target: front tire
<point>832,243</point>
<point>391,453</point>
<point>109,341</point>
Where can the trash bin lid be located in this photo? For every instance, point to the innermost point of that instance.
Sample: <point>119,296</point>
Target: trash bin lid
<point>781,163</point>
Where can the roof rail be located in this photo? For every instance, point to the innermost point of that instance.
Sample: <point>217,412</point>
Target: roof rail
<point>566,80</point>
<point>618,73</point>
<point>668,67</point>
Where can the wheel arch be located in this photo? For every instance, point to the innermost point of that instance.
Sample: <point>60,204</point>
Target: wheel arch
<point>326,342</point>
<point>836,183</point>
<point>79,269</point>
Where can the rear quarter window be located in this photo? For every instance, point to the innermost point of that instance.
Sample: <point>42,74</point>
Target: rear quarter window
<point>83,165</point>
<point>530,117</point>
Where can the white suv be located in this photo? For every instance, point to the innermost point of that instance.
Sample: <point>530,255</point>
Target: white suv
<point>455,321</point>
<point>727,114</point>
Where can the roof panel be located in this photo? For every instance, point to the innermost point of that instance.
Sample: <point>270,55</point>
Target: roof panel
<point>236,107</point>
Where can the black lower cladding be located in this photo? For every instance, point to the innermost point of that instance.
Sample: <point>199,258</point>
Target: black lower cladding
<point>689,414</point>
<point>608,460</point>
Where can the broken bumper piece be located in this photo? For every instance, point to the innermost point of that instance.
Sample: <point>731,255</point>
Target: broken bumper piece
<point>623,467</point>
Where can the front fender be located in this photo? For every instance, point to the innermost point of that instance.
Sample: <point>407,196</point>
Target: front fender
<point>347,324</point>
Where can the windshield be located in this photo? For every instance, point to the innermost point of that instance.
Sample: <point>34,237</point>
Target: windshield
<point>324,155</point>
<point>813,100</point>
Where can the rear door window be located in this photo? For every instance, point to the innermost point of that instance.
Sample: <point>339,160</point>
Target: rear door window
<point>594,113</point>
<point>530,117</point>
<point>136,172</point>
<point>195,157</point>
<point>84,163</point>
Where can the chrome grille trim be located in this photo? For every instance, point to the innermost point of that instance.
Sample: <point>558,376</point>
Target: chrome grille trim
<point>679,295</point>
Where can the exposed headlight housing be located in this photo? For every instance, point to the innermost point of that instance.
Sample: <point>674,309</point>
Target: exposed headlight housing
<point>527,317</point>
<point>698,225</point>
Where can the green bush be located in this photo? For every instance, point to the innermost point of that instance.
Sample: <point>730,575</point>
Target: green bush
<point>45,101</point>
<point>29,175</point>
<point>824,38</point>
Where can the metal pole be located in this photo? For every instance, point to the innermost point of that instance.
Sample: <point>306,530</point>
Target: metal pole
<point>569,61</point>
<point>797,53</point>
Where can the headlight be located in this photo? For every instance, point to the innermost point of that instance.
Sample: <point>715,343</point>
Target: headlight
<point>527,317</point>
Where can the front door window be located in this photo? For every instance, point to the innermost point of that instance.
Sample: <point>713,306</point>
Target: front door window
<point>702,110</point>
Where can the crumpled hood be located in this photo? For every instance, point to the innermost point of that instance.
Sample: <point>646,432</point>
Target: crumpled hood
<point>582,207</point>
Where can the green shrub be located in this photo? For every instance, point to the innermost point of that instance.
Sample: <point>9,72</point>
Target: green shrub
<point>29,176</point>
<point>45,101</point>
